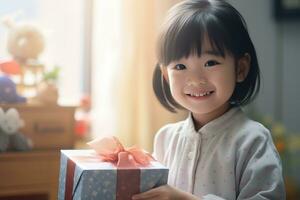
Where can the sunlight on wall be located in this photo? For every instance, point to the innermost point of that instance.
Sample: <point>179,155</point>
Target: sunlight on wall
<point>106,63</point>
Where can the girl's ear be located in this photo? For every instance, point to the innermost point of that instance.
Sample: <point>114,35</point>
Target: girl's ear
<point>243,68</point>
<point>164,72</point>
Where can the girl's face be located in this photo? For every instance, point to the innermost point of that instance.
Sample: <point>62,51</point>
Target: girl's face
<point>203,85</point>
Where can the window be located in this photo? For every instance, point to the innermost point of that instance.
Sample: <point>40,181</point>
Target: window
<point>63,25</point>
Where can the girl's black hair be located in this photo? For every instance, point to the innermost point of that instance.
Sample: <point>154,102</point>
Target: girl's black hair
<point>183,32</point>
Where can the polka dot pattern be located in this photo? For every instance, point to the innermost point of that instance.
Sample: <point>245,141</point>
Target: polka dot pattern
<point>151,178</point>
<point>100,183</point>
<point>95,185</point>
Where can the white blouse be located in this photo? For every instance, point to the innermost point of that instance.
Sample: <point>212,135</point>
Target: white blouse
<point>231,157</point>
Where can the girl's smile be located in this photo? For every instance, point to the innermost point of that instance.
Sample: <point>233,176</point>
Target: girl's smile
<point>200,95</point>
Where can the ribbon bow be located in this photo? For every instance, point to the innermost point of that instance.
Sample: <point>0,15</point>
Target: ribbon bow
<point>111,150</point>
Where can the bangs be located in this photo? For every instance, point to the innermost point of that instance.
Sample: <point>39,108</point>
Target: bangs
<point>186,34</point>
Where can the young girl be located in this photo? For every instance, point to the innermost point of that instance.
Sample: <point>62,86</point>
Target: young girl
<point>207,64</point>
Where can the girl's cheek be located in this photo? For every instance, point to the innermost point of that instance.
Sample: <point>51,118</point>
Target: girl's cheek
<point>176,81</point>
<point>176,76</point>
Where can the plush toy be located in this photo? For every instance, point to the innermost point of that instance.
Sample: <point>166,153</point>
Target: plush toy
<point>25,42</point>
<point>8,91</point>
<point>10,137</point>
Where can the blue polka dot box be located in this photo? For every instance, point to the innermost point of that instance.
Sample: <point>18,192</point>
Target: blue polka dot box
<point>85,176</point>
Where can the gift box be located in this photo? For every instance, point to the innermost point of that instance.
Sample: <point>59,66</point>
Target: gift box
<point>85,176</point>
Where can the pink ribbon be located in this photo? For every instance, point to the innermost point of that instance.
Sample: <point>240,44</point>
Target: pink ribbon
<point>110,149</point>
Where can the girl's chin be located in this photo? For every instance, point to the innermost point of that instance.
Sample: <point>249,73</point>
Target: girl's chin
<point>201,110</point>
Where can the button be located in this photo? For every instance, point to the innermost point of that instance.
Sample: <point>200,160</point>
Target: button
<point>190,155</point>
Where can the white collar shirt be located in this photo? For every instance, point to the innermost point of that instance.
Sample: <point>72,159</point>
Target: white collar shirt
<point>231,157</point>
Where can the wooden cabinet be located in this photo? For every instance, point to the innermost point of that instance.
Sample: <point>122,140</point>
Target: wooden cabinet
<point>49,127</point>
<point>34,174</point>
<point>29,174</point>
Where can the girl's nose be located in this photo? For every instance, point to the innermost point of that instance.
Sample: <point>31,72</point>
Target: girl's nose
<point>195,80</point>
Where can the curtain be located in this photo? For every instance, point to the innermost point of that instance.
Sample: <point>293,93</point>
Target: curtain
<point>124,60</point>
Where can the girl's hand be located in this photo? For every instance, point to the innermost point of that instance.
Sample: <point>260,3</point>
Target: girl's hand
<point>164,192</point>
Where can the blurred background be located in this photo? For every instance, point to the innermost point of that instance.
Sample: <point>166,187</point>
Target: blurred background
<point>89,74</point>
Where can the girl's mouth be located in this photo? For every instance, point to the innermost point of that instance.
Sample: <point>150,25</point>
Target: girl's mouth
<point>200,95</point>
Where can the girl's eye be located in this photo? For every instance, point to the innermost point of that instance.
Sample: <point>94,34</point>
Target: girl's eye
<point>179,67</point>
<point>211,63</point>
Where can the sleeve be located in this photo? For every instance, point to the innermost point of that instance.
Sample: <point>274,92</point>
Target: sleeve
<point>258,169</point>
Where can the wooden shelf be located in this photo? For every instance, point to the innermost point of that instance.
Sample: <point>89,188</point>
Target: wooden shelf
<point>48,126</point>
<point>29,173</point>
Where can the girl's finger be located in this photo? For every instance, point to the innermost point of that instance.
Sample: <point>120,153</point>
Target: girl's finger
<point>146,195</point>
<point>148,198</point>
<point>142,196</point>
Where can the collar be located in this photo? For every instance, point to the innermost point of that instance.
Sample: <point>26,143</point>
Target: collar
<point>214,127</point>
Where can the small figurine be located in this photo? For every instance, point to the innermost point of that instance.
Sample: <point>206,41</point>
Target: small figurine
<point>10,137</point>
<point>10,67</point>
